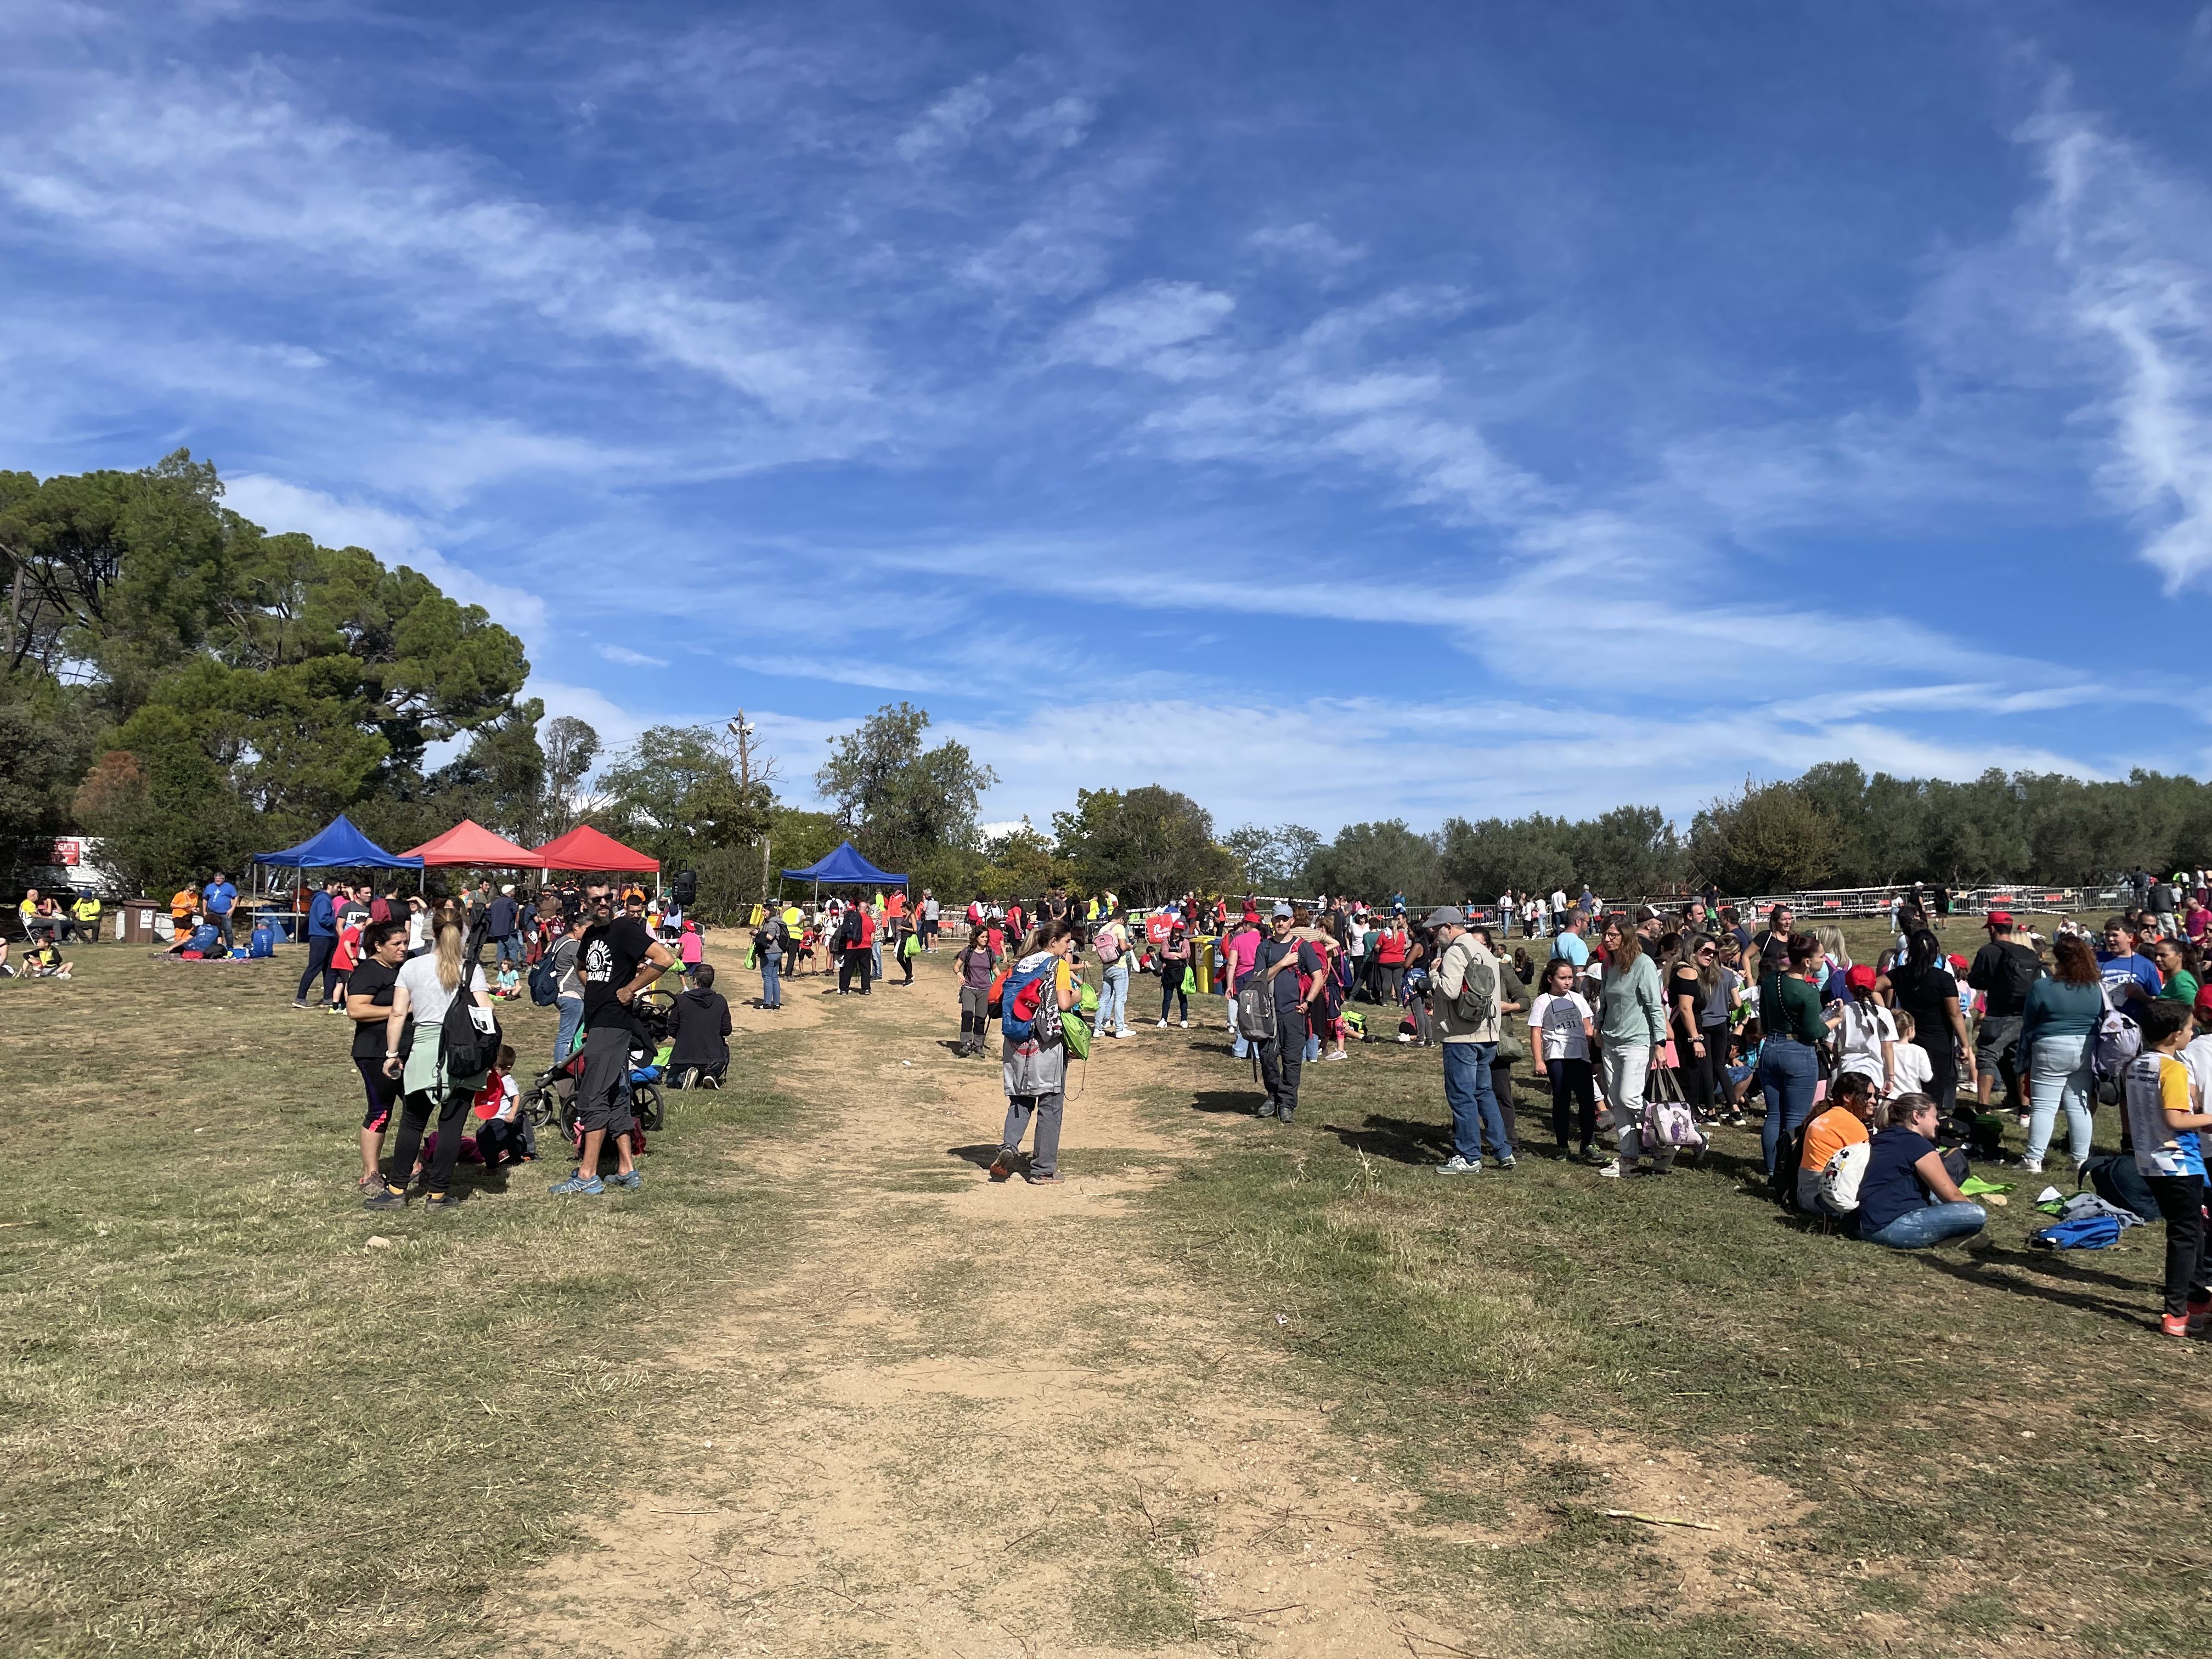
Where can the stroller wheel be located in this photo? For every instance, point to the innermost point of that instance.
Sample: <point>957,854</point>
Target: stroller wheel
<point>647,1105</point>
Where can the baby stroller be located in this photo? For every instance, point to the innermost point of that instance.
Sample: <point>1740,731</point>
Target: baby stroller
<point>552,1098</point>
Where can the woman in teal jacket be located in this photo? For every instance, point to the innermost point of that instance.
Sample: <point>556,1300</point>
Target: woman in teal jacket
<point>1631,1025</point>
<point>2057,1029</point>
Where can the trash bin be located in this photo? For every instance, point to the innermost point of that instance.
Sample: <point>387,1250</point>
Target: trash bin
<point>134,920</point>
<point>1203,957</point>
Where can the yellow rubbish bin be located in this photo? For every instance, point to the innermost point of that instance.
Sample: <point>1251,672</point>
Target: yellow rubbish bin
<point>1204,955</point>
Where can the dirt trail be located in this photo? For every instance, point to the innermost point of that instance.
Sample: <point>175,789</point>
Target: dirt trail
<point>977,1420</point>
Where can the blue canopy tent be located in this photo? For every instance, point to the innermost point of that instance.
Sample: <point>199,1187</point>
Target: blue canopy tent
<point>847,867</point>
<point>336,846</point>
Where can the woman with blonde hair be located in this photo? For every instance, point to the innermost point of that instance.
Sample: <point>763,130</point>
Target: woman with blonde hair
<point>414,1053</point>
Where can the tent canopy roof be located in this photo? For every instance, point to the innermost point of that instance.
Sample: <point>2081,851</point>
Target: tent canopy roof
<point>846,865</point>
<point>589,850</point>
<point>337,846</point>
<point>470,842</point>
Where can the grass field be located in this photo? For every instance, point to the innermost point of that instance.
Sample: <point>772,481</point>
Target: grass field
<point>234,1425</point>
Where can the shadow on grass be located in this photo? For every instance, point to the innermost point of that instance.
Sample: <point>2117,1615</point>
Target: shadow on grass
<point>980,1154</point>
<point>1970,1272</point>
<point>1400,1139</point>
<point>1231,1102</point>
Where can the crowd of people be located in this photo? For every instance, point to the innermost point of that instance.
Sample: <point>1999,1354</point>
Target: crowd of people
<point>1876,1086</point>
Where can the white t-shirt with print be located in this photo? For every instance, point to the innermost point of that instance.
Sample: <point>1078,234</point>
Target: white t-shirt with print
<point>1558,1023</point>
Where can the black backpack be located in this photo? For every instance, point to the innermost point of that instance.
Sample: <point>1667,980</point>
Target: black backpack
<point>467,1051</point>
<point>1782,1185</point>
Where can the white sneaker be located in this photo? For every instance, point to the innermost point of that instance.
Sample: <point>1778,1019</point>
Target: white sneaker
<point>1125,1031</point>
<point>1163,1024</point>
<point>1186,1025</point>
<point>1611,1171</point>
<point>2032,1165</point>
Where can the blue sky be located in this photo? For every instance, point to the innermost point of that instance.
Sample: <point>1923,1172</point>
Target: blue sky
<point>1335,412</point>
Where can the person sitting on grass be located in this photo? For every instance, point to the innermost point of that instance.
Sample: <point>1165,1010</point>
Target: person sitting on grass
<point>44,960</point>
<point>699,1031</point>
<point>505,1136</point>
<point>1844,1123</point>
<point>507,987</point>
<point>1908,1200</point>
<point>2164,1111</point>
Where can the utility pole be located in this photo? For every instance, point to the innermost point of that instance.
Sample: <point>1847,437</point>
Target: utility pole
<point>743,731</point>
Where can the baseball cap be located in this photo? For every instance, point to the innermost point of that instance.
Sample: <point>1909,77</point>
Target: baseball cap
<point>1645,913</point>
<point>1997,918</point>
<point>1280,909</point>
<point>1860,978</point>
<point>1446,915</point>
<point>2204,1000</point>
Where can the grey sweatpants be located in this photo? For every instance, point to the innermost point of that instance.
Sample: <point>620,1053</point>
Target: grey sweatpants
<point>1045,1158</point>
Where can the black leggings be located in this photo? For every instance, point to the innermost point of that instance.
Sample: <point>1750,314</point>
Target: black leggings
<point>1572,1079</point>
<point>1717,1060</point>
<point>1171,991</point>
<point>1693,1071</point>
<point>1391,975</point>
<point>414,1116</point>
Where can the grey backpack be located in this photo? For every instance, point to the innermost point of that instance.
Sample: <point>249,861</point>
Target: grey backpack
<point>1477,1002</point>
<point>1255,1009</point>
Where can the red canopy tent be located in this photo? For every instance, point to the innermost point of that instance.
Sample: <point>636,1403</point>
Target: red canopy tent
<point>588,851</point>
<point>470,842</point>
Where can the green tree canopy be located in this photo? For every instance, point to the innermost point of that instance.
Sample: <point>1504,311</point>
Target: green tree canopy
<point>901,804</point>
<point>1148,845</point>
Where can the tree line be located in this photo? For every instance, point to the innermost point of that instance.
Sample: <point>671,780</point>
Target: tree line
<point>194,688</point>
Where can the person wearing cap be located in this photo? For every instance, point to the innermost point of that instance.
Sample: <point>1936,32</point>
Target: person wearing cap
<point>1470,1045</point>
<point>2004,971</point>
<point>1285,960</point>
<point>1868,1034</point>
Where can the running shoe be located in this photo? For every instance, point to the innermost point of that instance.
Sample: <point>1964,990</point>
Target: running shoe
<point>2174,1324</point>
<point>1053,1180</point>
<point>1002,1167</point>
<point>579,1184</point>
<point>629,1180</point>
<point>1457,1165</point>
<point>442,1203</point>
<point>387,1198</point>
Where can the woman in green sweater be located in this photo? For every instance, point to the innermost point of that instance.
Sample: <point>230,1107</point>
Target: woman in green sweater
<point>1631,1025</point>
<point>1789,1061</point>
<point>2057,1028</point>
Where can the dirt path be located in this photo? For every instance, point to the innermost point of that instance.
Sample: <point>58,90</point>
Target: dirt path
<point>971,1419</point>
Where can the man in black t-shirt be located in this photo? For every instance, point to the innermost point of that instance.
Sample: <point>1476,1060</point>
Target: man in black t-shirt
<point>2004,971</point>
<point>617,959</point>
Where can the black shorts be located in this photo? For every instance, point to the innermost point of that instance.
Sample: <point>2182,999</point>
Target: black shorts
<point>600,1103</point>
<point>383,1092</point>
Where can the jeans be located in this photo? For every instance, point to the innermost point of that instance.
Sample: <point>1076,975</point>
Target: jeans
<point>771,984</point>
<point>1113,998</point>
<point>1572,1084</point>
<point>2058,1075</point>
<point>1933,1222</point>
<point>876,960</point>
<point>319,962</point>
<point>508,949</point>
<point>1474,1102</point>
<point>221,921</point>
<point>1171,992</point>
<point>572,1017</point>
<point>1626,1065</point>
<point>2180,1200</point>
<point>1282,1057</point>
<point>1312,1052</point>
<point>1788,1071</point>
<point>1044,1159</point>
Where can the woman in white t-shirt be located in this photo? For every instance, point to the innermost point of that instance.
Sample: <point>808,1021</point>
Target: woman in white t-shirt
<point>427,987</point>
<point>1560,1031</point>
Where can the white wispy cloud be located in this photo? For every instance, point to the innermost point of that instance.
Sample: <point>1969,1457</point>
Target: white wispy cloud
<point>627,658</point>
<point>1306,244</point>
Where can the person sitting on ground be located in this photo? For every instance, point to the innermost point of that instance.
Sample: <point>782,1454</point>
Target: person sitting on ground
<point>504,1134</point>
<point>1844,1123</point>
<point>507,987</point>
<point>204,940</point>
<point>44,960</point>
<point>699,1030</point>
<point>1907,1199</point>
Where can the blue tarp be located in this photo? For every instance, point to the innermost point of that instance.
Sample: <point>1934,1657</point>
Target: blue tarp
<point>847,866</point>
<point>337,846</point>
